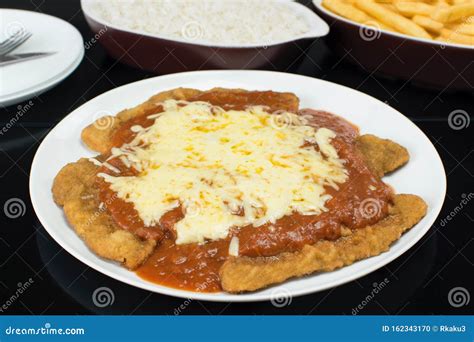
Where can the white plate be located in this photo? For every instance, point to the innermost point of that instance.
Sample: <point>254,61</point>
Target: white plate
<point>21,81</point>
<point>424,175</point>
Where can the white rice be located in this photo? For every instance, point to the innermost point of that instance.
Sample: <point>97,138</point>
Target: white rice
<point>206,21</point>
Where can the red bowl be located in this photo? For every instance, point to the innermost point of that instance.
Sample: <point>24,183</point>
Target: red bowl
<point>425,62</point>
<point>164,55</point>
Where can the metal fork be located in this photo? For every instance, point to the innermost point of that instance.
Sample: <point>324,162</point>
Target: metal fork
<point>14,41</point>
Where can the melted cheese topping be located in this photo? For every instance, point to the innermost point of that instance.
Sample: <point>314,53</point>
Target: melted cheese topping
<point>226,168</point>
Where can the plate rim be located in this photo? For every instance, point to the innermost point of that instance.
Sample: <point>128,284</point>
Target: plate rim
<point>224,296</point>
<point>38,89</point>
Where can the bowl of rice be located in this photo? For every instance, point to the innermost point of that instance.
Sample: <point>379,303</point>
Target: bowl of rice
<point>165,36</point>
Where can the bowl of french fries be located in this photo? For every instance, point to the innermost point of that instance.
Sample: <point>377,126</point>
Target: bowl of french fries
<point>427,42</point>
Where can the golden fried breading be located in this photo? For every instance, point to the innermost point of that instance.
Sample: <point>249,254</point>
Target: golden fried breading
<point>239,274</point>
<point>74,189</point>
<point>97,136</point>
<point>381,155</point>
<point>274,100</point>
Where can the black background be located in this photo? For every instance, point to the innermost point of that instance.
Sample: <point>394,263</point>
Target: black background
<point>418,282</point>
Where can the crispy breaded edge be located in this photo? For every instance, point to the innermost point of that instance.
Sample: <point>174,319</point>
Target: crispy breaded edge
<point>242,274</point>
<point>97,136</point>
<point>74,190</point>
<point>382,156</point>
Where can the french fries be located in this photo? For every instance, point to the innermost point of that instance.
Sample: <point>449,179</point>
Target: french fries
<point>453,13</point>
<point>464,28</point>
<point>450,21</point>
<point>428,24</point>
<point>346,10</point>
<point>392,19</point>
<point>409,9</point>
<point>455,37</point>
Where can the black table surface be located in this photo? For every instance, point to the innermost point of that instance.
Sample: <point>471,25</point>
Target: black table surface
<point>418,282</point>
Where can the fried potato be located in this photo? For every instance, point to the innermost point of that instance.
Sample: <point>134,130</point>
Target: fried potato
<point>378,25</point>
<point>428,24</point>
<point>346,10</point>
<point>392,19</point>
<point>390,6</point>
<point>410,9</point>
<point>442,4</point>
<point>449,21</point>
<point>454,37</point>
<point>460,2</point>
<point>462,28</point>
<point>453,13</point>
